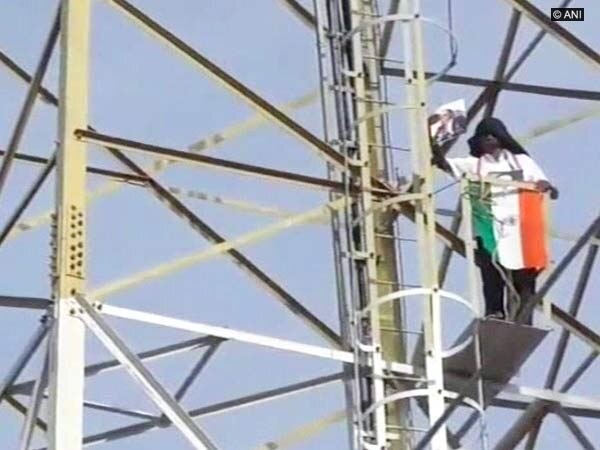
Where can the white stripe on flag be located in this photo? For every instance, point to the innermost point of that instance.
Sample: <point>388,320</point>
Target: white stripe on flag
<point>507,227</point>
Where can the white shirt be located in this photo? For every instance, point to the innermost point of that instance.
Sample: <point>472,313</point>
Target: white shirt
<point>504,199</point>
<point>508,166</point>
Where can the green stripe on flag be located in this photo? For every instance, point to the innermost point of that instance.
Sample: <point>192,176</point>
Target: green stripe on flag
<point>481,211</point>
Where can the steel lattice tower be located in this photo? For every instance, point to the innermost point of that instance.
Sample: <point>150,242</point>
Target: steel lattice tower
<point>395,392</point>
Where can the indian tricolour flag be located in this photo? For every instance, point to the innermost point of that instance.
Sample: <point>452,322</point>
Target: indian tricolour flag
<point>511,222</point>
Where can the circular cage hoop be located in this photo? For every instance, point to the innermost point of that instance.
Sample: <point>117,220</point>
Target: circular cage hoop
<point>409,18</point>
<point>407,293</point>
<point>404,293</point>
<point>422,392</point>
<point>400,17</point>
<point>458,347</point>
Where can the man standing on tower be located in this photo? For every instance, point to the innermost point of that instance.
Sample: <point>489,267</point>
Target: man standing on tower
<point>508,221</point>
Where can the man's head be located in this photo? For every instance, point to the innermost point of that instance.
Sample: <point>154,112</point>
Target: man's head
<point>489,144</point>
<point>490,136</point>
<point>446,116</point>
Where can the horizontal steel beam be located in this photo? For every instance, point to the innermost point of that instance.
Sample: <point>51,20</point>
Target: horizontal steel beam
<point>579,94</point>
<point>522,405</point>
<point>119,143</point>
<point>333,354</point>
<point>33,159</point>
<point>24,302</point>
<point>548,395</point>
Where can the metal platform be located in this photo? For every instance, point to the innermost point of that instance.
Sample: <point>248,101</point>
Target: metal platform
<point>505,347</point>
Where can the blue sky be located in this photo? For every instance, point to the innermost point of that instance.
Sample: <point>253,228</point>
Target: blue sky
<point>141,90</point>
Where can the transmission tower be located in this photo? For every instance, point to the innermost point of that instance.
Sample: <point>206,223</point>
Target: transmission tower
<point>395,392</point>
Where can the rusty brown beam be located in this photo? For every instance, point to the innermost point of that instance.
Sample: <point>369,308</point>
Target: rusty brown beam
<point>33,159</point>
<point>203,160</point>
<point>506,85</point>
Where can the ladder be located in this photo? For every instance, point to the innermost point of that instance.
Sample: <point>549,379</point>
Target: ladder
<point>356,114</point>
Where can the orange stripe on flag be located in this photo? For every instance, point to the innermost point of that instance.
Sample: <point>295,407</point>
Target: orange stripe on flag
<point>533,229</point>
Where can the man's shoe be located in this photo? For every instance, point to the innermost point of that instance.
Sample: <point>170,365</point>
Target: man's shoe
<point>498,315</point>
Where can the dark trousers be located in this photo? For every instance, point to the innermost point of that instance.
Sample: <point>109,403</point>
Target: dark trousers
<point>494,286</point>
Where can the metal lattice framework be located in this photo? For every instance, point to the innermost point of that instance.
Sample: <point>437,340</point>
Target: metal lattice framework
<point>397,394</point>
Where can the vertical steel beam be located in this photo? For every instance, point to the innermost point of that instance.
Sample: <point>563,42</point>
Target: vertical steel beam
<point>509,41</point>
<point>456,402</point>
<point>425,216</point>
<point>381,274</point>
<point>66,373</point>
<point>365,133</point>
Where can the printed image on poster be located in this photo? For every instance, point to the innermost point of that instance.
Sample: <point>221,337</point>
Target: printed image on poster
<point>448,122</point>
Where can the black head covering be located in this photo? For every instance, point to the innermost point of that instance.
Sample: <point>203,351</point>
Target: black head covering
<point>496,128</point>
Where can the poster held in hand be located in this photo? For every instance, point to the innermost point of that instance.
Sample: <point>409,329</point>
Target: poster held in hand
<point>448,122</point>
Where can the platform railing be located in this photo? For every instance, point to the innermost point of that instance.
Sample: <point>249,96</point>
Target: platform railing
<point>476,188</point>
